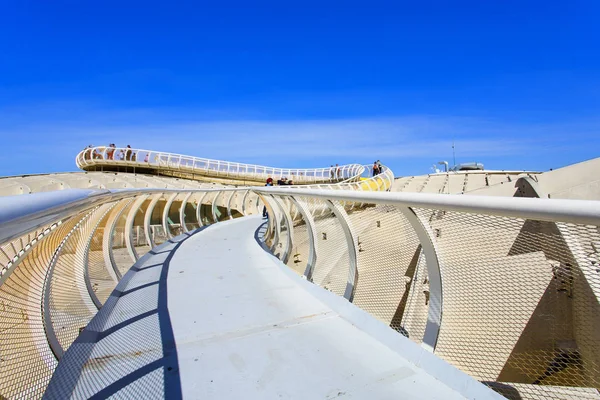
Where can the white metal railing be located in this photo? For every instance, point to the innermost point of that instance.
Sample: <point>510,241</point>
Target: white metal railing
<point>448,271</point>
<point>123,156</point>
<point>490,284</point>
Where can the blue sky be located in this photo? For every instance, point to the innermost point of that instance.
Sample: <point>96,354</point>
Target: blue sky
<point>516,84</point>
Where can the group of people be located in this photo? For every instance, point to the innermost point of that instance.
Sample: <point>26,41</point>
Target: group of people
<point>377,168</point>
<point>335,172</point>
<point>284,181</point>
<point>124,154</point>
<point>280,182</point>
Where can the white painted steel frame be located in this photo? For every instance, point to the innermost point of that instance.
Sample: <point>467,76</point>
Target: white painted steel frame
<point>53,341</point>
<point>182,212</point>
<point>351,243</point>
<point>586,212</point>
<point>99,156</point>
<point>108,239</point>
<point>165,216</point>
<point>129,227</point>
<point>312,234</point>
<point>148,219</point>
<point>86,266</point>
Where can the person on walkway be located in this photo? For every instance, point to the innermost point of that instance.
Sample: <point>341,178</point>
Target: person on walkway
<point>331,172</point>
<point>375,168</point>
<point>110,152</point>
<point>379,167</point>
<point>337,171</point>
<point>269,183</point>
<point>87,152</point>
<point>128,153</point>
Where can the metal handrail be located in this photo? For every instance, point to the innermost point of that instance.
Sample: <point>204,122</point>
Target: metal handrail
<point>18,217</point>
<point>103,155</point>
<point>554,210</point>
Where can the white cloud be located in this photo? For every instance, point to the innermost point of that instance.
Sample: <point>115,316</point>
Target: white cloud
<point>423,139</point>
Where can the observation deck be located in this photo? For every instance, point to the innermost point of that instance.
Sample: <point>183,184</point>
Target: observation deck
<point>123,159</point>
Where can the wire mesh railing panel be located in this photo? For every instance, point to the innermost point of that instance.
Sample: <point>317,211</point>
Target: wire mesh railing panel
<point>517,304</point>
<point>26,360</point>
<point>333,263</point>
<point>118,243</point>
<point>8,252</point>
<point>250,204</point>
<point>206,208</point>
<point>69,302</point>
<point>173,216</point>
<point>269,211</point>
<point>234,202</point>
<point>154,214</point>
<point>300,251</point>
<point>158,234</point>
<point>388,252</point>
<point>414,318</point>
<point>189,215</point>
<point>12,251</point>
<point>520,391</point>
<point>100,272</point>
<point>138,236</point>
<point>582,282</point>
<point>281,227</point>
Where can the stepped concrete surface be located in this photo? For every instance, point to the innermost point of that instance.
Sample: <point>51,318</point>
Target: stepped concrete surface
<point>211,314</point>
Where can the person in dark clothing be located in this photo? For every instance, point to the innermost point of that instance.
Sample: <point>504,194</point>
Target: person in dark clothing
<point>375,168</point>
<point>269,183</point>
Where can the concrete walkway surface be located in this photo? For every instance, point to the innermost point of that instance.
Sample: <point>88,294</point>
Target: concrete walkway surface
<point>212,315</point>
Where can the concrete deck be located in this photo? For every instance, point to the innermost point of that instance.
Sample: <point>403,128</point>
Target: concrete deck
<point>213,315</point>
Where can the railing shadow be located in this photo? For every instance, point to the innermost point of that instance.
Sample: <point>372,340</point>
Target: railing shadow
<point>129,346</point>
<point>259,236</point>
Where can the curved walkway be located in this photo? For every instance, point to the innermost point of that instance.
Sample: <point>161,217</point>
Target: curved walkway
<point>213,315</point>
<point>177,165</point>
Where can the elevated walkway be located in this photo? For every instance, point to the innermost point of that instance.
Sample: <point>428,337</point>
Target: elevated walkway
<point>206,170</point>
<point>211,314</point>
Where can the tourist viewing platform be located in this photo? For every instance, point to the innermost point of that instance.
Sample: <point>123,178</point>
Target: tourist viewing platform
<point>126,159</point>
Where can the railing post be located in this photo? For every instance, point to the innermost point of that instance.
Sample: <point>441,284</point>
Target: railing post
<point>165,218</point>
<point>214,207</point>
<point>273,218</point>
<point>148,219</point>
<point>352,243</point>
<point>288,221</point>
<point>109,258</point>
<point>86,258</point>
<point>434,315</point>
<point>199,209</point>
<point>129,227</point>
<point>229,204</point>
<point>184,228</point>
<point>244,202</point>
<point>51,336</point>
<point>312,234</point>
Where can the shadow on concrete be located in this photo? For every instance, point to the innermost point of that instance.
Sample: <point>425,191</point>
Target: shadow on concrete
<point>129,346</point>
<point>259,235</point>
